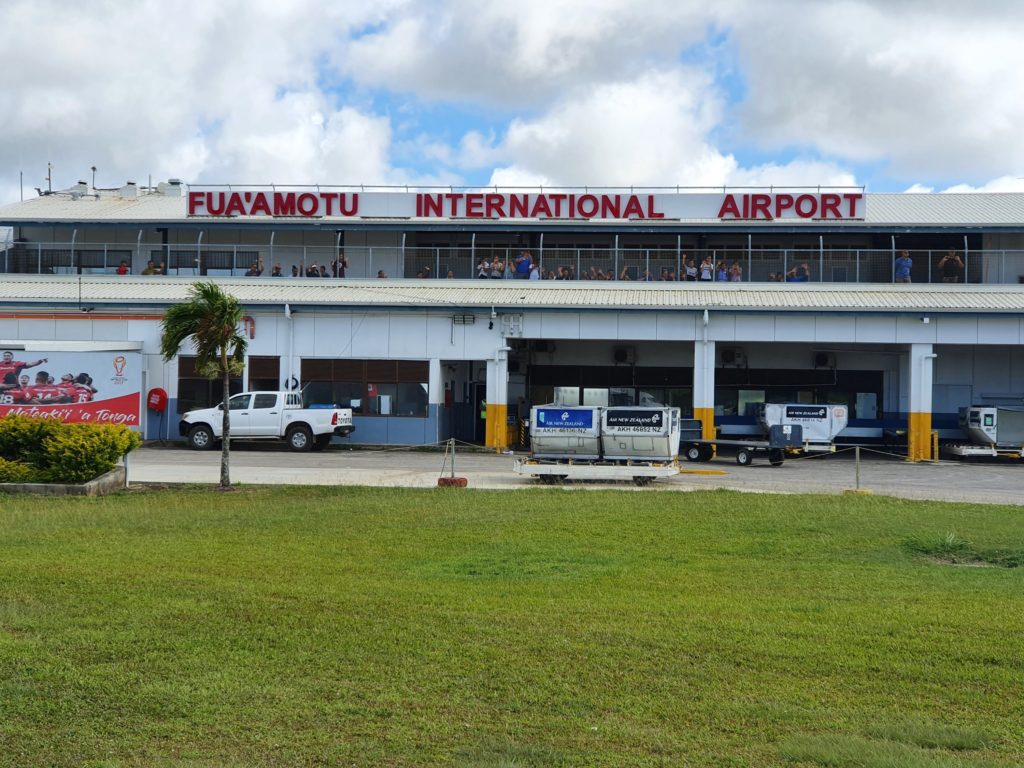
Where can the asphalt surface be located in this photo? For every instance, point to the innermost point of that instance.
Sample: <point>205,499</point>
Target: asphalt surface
<point>1000,482</point>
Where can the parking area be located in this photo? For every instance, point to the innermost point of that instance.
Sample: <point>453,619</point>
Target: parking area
<point>996,482</point>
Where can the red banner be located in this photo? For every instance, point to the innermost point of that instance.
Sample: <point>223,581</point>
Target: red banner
<point>116,410</point>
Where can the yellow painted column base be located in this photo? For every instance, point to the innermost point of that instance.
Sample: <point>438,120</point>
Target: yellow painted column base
<point>919,437</point>
<point>707,425</point>
<point>707,422</point>
<point>496,435</point>
<point>511,435</point>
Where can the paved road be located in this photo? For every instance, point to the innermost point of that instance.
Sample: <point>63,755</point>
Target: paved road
<point>259,464</point>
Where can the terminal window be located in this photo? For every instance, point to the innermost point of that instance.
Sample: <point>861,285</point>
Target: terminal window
<point>368,387</point>
<point>196,390</point>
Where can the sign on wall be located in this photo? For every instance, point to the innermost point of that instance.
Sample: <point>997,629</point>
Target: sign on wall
<point>316,203</point>
<point>94,387</point>
<point>795,412</point>
<point>565,418</point>
<point>635,420</point>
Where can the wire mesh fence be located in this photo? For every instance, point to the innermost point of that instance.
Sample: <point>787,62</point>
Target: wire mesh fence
<point>491,261</point>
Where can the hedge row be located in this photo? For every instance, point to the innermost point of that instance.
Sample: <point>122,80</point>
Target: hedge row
<point>48,451</point>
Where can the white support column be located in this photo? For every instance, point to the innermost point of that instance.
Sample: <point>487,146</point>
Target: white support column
<point>435,395</point>
<point>919,413</point>
<point>497,401</point>
<point>435,385</point>
<point>704,386</point>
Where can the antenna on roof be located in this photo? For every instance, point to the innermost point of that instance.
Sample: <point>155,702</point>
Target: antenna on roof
<point>49,178</point>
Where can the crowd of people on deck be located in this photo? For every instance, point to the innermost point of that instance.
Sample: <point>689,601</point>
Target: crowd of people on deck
<point>950,269</point>
<point>525,267</point>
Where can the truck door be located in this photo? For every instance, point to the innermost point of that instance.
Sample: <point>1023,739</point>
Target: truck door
<point>241,414</point>
<point>265,414</point>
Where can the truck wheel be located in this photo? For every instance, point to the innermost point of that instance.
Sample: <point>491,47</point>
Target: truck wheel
<point>776,456</point>
<point>200,438</point>
<point>707,452</point>
<point>300,438</point>
<point>693,453</point>
<point>744,457</point>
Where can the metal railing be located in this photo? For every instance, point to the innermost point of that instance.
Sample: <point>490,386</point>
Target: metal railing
<point>738,264</point>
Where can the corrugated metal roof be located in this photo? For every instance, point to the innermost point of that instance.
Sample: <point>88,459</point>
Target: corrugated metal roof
<point>61,207</point>
<point>155,292</point>
<point>951,209</point>
<point>995,209</point>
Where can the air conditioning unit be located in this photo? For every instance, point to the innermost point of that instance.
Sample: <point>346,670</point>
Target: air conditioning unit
<point>824,359</point>
<point>624,355</point>
<point>733,357</point>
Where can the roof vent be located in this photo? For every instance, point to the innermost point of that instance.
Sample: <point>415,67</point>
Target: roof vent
<point>170,188</point>
<point>130,189</point>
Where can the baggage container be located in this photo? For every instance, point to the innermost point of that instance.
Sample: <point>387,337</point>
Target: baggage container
<point>820,423</point>
<point>640,433</point>
<point>559,432</point>
<point>995,426</point>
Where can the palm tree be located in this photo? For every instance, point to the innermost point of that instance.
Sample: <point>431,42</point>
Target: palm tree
<point>211,318</point>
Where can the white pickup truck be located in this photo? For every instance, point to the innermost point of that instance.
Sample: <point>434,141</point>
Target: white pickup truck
<point>267,416</point>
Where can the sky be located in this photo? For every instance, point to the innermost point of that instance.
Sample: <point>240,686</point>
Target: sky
<point>907,95</point>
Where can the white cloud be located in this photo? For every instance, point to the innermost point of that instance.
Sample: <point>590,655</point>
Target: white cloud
<point>798,173</point>
<point>478,151</point>
<point>571,92</point>
<point>138,89</point>
<point>653,131</point>
<point>522,53</point>
<point>514,176</point>
<point>1002,184</point>
<point>923,87</point>
<point>296,140</point>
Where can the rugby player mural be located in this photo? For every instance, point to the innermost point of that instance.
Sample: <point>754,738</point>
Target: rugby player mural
<point>95,387</point>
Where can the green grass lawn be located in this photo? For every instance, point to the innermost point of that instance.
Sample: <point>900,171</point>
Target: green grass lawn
<point>321,626</point>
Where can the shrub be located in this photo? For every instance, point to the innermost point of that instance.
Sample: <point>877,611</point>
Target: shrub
<point>17,472</point>
<point>79,452</point>
<point>22,438</point>
<point>49,450</point>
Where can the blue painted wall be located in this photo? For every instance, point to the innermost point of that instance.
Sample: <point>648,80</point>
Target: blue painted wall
<point>370,430</point>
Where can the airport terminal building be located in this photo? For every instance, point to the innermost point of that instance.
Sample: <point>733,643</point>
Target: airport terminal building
<point>440,313</point>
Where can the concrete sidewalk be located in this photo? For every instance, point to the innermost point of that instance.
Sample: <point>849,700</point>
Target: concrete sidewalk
<point>415,468</point>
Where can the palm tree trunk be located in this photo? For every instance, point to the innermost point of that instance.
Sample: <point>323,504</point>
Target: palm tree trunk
<point>225,443</point>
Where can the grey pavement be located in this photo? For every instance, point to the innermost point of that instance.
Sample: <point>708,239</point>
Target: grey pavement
<point>999,482</point>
